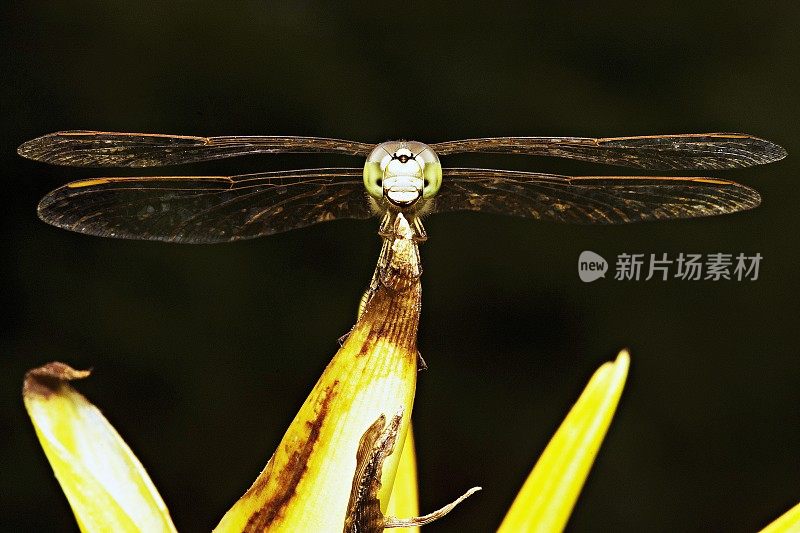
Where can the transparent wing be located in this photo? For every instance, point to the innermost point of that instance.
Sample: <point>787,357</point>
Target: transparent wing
<point>206,209</point>
<point>112,149</point>
<point>588,199</point>
<point>654,152</point>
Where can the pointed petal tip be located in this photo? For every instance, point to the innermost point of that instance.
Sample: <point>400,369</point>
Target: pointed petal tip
<point>623,358</point>
<point>548,496</point>
<point>45,380</point>
<point>105,484</point>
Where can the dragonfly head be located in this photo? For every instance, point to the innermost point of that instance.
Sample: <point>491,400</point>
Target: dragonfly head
<point>402,172</point>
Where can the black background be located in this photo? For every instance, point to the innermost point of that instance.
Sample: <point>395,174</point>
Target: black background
<point>202,354</point>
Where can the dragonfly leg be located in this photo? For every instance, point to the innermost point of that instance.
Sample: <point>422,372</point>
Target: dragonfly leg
<point>421,364</point>
<point>420,235</point>
<point>386,228</point>
<point>362,304</point>
<point>343,338</point>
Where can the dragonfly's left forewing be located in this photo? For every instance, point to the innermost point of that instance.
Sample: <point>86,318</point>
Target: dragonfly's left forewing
<point>589,199</point>
<point>206,209</point>
<point>653,152</point>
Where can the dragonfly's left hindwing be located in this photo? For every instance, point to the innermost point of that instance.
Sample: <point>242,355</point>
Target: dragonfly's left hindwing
<point>589,199</point>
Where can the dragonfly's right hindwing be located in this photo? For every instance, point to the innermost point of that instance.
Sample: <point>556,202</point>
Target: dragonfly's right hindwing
<point>206,209</point>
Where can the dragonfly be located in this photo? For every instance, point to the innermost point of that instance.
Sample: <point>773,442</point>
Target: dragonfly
<point>398,177</point>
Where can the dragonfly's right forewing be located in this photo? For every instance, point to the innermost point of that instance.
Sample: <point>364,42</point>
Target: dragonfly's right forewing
<point>116,149</point>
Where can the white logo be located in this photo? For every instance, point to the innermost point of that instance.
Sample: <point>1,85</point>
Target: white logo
<point>591,266</point>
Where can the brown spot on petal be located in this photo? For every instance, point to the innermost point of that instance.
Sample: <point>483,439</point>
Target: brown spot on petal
<point>45,380</point>
<point>284,482</point>
<point>391,317</point>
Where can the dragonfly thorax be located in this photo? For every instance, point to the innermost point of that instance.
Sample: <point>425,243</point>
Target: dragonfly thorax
<point>402,173</point>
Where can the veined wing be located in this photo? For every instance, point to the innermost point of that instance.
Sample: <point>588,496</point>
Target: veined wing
<point>653,152</point>
<point>112,149</point>
<point>206,209</point>
<point>590,199</point>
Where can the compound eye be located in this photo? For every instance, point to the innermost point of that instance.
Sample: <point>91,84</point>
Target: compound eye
<point>432,174</point>
<point>373,179</point>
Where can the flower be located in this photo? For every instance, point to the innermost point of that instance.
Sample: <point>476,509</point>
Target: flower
<point>346,462</point>
<point>549,494</point>
<point>105,484</point>
<point>338,459</point>
<point>109,490</point>
<point>334,467</point>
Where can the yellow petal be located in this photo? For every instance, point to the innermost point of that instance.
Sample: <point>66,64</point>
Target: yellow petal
<point>789,522</point>
<point>366,391</point>
<point>549,494</point>
<point>405,499</point>
<point>107,487</point>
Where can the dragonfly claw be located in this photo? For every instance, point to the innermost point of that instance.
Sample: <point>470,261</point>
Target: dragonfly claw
<point>343,338</point>
<point>421,364</point>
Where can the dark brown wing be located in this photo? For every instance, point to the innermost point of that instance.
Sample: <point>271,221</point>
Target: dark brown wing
<point>654,152</point>
<point>206,209</point>
<point>589,200</point>
<point>111,149</point>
